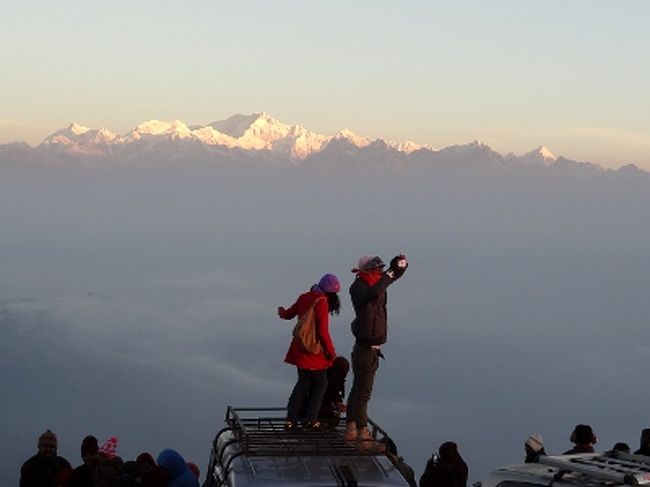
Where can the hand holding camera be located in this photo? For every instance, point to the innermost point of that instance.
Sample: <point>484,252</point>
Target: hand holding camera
<point>398,265</point>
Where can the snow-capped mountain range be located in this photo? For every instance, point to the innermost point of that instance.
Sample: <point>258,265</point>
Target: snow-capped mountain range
<point>256,132</point>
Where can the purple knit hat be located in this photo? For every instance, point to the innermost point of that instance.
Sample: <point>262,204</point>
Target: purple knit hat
<point>329,283</point>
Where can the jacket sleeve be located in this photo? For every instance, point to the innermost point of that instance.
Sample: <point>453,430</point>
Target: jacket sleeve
<point>322,328</point>
<point>292,312</point>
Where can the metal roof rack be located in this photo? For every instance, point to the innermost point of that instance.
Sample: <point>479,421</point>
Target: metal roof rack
<point>255,449</point>
<point>261,432</point>
<point>613,466</point>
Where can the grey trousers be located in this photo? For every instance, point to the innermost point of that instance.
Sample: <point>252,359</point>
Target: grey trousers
<point>365,363</point>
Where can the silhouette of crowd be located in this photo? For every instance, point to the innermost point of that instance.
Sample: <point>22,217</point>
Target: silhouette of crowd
<point>102,467</point>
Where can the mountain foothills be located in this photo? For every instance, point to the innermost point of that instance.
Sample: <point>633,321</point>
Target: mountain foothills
<point>254,137</point>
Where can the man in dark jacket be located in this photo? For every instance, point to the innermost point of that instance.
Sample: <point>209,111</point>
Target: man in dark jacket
<point>46,468</point>
<point>368,293</point>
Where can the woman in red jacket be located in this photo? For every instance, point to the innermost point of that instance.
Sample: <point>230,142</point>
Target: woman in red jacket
<point>312,367</point>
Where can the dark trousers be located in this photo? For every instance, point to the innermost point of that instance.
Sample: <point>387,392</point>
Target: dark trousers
<point>365,363</point>
<point>311,385</point>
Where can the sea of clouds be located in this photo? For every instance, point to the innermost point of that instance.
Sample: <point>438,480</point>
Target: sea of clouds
<point>140,303</point>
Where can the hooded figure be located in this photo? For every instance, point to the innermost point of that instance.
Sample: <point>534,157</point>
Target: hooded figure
<point>179,474</point>
<point>448,470</point>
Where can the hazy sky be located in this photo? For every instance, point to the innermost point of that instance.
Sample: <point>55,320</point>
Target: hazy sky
<point>572,76</point>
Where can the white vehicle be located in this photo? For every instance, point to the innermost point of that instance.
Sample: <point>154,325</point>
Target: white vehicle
<point>608,469</point>
<point>255,449</point>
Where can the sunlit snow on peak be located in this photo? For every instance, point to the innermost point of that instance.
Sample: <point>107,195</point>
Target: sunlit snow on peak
<point>77,129</point>
<point>546,153</point>
<point>353,138</point>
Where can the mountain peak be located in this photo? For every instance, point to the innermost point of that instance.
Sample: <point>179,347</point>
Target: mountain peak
<point>409,146</point>
<point>545,153</point>
<point>77,129</point>
<point>263,117</point>
<point>540,156</point>
<point>354,139</point>
<point>157,127</point>
<point>237,125</point>
<point>77,135</point>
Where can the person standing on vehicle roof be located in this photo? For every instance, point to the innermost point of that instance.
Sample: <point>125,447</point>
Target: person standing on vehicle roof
<point>312,366</point>
<point>369,296</point>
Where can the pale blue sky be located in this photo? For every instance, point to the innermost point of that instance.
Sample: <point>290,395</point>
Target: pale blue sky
<point>572,75</point>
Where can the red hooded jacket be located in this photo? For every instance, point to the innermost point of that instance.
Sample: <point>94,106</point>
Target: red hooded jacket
<point>296,356</point>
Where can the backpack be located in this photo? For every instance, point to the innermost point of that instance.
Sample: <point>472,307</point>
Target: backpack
<point>305,331</point>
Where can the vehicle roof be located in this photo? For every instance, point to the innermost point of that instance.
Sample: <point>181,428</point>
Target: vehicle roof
<point>256,449</point>
<point>592,469</point>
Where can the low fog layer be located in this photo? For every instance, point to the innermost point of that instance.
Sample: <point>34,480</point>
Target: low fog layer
<point>140,302</point>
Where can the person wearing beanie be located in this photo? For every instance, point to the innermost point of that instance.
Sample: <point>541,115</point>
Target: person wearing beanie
<point>312,309</point>
<point>644,443</point>
<point>46,468</point>
<point>109,448</point>
<point>370,329</point>
<point>89,447</point>
<point>109,464</point>
<point>583,438</point>
<point>84,474</point>
<point>534,447</point>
